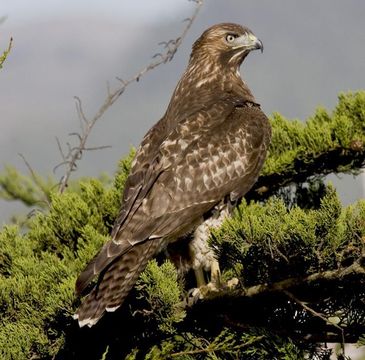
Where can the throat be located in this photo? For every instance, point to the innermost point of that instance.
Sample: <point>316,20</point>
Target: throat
<point>235,84</point>
<point>207,80</point>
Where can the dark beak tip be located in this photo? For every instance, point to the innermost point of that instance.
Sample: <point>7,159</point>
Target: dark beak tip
<point>261,46</point>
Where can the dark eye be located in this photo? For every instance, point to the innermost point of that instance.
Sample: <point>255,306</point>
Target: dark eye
<point>231,37</point>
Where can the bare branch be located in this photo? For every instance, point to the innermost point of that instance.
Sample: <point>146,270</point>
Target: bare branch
<point>309,309</point>
<point>36,180</point>
<point>108,88</point>
<point>75,153</point>
<point>101,147</point>
<point>319,315</point>
<point>75,134</point>
<point>60,164</point>
<point>60,149</point>
<point>80,110</point>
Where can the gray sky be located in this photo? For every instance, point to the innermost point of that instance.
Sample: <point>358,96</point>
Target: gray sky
<point>313,50</point>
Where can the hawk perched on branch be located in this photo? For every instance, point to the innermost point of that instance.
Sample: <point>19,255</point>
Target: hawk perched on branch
<point>204,154</point>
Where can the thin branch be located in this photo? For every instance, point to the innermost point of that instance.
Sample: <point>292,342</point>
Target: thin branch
<point>36,180</point>
<point>98,147</point>
<point>309,309</point>
<point>319,315</point>
<point>60,164</point>
<point>75,154</point>
<point>80,112</point>
<point>75,134</point>
<point>32,173</point>
<point>60,149</point>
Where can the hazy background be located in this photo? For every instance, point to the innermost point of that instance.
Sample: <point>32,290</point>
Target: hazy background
<point>313,50</point>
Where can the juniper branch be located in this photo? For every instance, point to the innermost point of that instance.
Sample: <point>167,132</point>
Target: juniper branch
<point>310,166</point>
<point>324,144</point>
<point>6,53</point>
<point>217,347</point>
<point>286,284</point>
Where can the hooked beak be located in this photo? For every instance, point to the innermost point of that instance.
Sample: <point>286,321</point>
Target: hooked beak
<point>249,42</point>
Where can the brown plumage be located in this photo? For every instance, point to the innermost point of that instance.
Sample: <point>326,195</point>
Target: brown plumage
<point>205,152</point>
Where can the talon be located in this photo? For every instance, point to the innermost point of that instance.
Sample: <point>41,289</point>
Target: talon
<point>232,283</point>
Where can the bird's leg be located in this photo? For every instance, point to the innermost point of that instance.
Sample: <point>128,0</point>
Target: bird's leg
<point>199,276</point>
<point>215,275</point>
<point>204,288</point>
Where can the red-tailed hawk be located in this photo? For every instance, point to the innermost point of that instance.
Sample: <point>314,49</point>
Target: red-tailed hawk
<point>204,154</point>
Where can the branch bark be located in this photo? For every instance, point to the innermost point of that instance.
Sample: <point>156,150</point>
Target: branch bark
<point>355,268</point>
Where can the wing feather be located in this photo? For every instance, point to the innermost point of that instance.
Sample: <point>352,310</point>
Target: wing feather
<point>195,167</point>
<point>162,147</point>
<point>211,167</point>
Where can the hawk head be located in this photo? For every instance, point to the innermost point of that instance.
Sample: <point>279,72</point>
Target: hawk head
<point>226,44</point>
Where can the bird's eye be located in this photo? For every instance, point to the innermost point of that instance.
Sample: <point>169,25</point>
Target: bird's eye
<point>231,37</point>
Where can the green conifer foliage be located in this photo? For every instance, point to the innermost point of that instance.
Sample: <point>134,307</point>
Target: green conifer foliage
<point>322,145</point>
<point>5,53</point>
<point>296,253</point>
<point>38,268</point>
<point>31,191</point>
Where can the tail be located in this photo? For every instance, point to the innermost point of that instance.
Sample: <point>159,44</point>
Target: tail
<point>115,282</point>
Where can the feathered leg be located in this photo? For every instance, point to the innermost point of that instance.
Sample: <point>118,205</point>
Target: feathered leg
<point>203,257</point>
<point>215,274</point>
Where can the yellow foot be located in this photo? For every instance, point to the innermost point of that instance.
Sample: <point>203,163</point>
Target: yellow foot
<point>232,283</point>
<point>215,274</point>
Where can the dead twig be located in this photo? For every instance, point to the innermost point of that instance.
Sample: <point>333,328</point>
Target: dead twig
<point>36,181</point>
<point>317,314</point>
<point>74,154</point>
